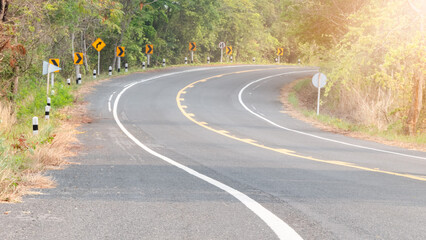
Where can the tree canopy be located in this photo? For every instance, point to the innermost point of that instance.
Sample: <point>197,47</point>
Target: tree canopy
<point>373,50</point>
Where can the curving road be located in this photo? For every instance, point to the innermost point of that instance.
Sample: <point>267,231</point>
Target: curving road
<point>209,153</point>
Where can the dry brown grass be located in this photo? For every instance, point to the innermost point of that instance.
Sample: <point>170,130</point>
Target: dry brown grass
<point>7,116</point>
<point>16,183</point>
<point>11,192</point>
<point>297,113</point>
<point>368,107</point>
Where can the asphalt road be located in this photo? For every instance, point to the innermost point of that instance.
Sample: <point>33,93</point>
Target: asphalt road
<point>209,153</point>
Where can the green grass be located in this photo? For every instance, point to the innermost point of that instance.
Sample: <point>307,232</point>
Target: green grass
<point>301,84</point>
<point>293,100</point>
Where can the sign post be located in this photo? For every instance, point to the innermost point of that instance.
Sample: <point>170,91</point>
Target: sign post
<point>221,46</point>
<point>192,48</point>
<point>55,62</point>
<point>99,45</point>
<point>47,69</point>
<point>120,54</point>
<point>280,52</point>
<point>319,80</point>
<point>78,60</point>
<point>149,49</point>
<point>229,52</point>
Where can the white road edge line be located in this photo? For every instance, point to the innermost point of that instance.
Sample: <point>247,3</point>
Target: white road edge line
<point>308,134</point>
<point>281,229</point>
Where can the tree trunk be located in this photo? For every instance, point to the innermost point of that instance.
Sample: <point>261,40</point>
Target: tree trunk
<point>4,4</point>
<point>83,42</point>
<point>77,70</point>
<point>16,72</point>
<point>124,25</point>
<point>416,107</point>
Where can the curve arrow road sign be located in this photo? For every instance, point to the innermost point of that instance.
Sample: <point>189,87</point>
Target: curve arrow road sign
<point>98,44</point>
<point>229,50</point>
<point>280,52</point>
<point>192,46</point>
<point>78,58</point>
<point>120,51</point>
<point>55,62</point>
<point>149,49</point>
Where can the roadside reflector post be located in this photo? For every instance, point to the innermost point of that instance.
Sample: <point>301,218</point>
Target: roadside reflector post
<point>208,60</point>
<point>47,112</point>
<point>126,67</point>
<point>79,79</point>
<point>110,71</point>
<point>276,60</point>
<point>48,101</point>
<point>143,65</point>
<point>35,125</point>
<point>94,73</point>
<point>164,62</point>
<point>186,60</point>
<point>254,60</point>
<point>69,81</point>
<point>298,61</point>
<point>231,59</point>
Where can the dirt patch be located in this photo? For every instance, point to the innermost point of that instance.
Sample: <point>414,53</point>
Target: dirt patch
<point>308,102</point>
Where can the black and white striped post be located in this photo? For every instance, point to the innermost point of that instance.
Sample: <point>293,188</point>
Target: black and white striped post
<point>208,60</point>
<point>126,67</point>
<point>79,79</point>
<point>47,112</point>
<point>276,60</point>
<point>69,81</point>
<point>35,125</point>
<point>231,59</point>
<point>110,71</point>
<point>186,60</point>
<point>298,61</point>
<point>254,59</point>
<point>48,101</point>
<point>164,62</point>
<point>143,65</point>
<point>94,73</point>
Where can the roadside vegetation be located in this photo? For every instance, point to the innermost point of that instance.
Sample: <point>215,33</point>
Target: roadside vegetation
<point>300,99</point>
<point>372,52</point>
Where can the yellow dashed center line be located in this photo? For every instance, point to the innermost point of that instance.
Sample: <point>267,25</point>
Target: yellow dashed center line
<point>191,117</point>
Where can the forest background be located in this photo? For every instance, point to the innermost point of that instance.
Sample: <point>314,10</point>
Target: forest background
<point>372,51</point>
